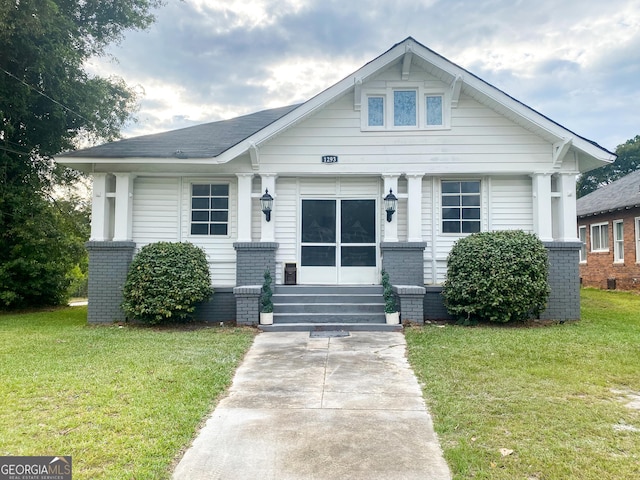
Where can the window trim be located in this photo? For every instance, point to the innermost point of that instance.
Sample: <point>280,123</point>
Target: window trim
<point>461,220</point>
<point>583,243</point>
<point>209,222</point>
<point>618,243</point>
<point>593,236</point>
<point>637,237</point>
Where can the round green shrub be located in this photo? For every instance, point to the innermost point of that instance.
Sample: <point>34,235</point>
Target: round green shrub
<point>165,282</point>
<point>496,276</point>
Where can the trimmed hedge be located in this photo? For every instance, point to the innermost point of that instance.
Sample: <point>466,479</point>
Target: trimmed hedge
<point>496,276</point>
<point>165,282</point>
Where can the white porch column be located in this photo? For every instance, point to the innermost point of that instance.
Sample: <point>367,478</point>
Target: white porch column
<point>123,224</point>
<point>99,208</point>
<point>568,213</point>
<point>268,229</point>
<point>244,206</point>
<point>414,208</point>
<point>542,212</point>
<point>390,228</point>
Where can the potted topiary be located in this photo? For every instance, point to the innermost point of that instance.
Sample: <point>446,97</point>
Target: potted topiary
<point>266,305</point>
<point>390,309</point>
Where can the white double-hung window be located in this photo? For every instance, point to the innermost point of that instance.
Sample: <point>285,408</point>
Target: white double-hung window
<point>210,209</point>
<point>637,235</point>
<point>582,235</point>
<point>618,241</point>
<point>600,237</point>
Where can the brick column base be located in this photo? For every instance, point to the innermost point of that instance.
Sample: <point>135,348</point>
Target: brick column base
<point>252,259</point>
<point>404,262</point>
<point>247,304</point>
<point>564,281</point>
<point>411,303</point>
<point>108,267</point>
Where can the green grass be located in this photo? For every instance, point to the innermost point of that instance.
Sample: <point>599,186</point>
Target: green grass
<point>550,394</point>
<point>123,402</point>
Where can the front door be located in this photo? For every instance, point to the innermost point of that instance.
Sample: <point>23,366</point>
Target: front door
<point>338,242</point>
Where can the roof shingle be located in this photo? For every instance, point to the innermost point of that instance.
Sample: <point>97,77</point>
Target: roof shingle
<point>200,141</point>
<point>617,195</point>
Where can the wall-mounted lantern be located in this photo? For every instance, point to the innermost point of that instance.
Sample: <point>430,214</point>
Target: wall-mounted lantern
<point>266,201</point>
<point>390,204</point>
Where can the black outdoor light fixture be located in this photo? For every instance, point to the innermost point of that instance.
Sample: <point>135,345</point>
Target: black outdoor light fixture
<point>390,204</point>
<point>266,201</point>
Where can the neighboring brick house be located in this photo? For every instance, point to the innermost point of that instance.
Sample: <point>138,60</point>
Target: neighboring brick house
<point>609,229</point>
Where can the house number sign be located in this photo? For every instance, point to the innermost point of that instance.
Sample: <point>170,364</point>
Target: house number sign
<point>329,159</point>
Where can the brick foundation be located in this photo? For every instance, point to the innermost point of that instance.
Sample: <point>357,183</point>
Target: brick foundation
<point>221,307</point>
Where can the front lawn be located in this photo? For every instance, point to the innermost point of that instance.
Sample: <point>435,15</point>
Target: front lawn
<point>122,402</point>
<point>537,403</point>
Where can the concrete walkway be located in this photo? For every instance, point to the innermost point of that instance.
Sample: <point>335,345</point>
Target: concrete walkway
<point>319,408</point>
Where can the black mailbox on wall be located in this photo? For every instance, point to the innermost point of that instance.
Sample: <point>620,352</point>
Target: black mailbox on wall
<point>290,274</point>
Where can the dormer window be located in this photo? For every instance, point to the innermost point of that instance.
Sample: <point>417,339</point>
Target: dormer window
<point>375,111</point>
<point>434,110</point>
<point>405,107</point>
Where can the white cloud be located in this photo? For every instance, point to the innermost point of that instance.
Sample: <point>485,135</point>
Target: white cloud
<point>576,61</point>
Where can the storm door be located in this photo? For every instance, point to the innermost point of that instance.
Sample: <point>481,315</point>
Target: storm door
<point>338,242</point>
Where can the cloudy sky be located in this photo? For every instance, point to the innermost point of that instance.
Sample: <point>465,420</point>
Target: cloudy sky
<point>576,61</point>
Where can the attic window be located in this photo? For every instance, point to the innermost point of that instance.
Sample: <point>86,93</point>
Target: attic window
<point>434,110</point>
<point>375,111</point>
<point>405,107</point>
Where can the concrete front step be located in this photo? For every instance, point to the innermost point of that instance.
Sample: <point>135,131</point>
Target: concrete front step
<point>328,304</point>
<point>335,308</point>
<point>323,327</point>
<point>328,289</point>
<point>351,317</point>
<point>327,298</point>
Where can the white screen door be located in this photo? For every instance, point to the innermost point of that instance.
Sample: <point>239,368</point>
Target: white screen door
<point>338,242</point>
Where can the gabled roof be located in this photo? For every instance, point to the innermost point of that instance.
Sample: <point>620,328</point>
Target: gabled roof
<point>619,195</point>
<point>200,141</point>
<point>224,141</point>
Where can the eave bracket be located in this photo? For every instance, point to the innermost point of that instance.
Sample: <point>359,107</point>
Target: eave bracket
<point>255,156</point>
<point>406,63</point>
<point>560,149</point>
<point>456,86</point>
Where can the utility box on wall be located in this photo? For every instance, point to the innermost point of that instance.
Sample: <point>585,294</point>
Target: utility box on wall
<point>290,274</point>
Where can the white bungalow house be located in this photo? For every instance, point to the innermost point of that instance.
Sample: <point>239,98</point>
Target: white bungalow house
<point>458,154</point>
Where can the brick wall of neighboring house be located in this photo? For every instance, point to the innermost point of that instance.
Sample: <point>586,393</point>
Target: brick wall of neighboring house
<point>600,270</point>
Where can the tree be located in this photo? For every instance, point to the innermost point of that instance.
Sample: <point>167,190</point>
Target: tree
<point>628,161</point>
<point>48,102</point>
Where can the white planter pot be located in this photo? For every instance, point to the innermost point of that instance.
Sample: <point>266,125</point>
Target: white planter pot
<point>393,318</point>
<point>266,318</point>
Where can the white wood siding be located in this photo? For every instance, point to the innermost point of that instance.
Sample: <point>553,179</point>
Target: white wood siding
<point>286,218</point>
<point>479,141</point>
<point>220,252</point>
<point>156,207</point>
<point>511,204</point>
